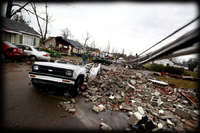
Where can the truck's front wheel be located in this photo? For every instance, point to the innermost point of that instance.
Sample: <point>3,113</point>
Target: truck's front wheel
<point>74,89</point>
<point>36,86</point>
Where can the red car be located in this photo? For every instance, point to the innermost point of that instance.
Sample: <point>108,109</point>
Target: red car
<point>9,50</point>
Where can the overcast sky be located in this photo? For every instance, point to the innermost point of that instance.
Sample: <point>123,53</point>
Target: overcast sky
<point>133,27</point>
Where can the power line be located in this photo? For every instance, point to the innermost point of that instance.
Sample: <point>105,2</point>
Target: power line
<point>171,34</point>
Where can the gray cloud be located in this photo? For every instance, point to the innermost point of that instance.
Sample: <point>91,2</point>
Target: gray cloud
<point>133,26</point>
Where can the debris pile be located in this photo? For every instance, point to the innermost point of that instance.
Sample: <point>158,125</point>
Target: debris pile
<point>139,94</point>
<point>105,127</point>
<point>68,106</point>
<point>70,61</point>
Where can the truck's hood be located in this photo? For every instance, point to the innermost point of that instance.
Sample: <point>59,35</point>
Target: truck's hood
<point>60,65</point>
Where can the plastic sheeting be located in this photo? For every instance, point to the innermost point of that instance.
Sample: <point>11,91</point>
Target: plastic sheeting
<point>94,71</point>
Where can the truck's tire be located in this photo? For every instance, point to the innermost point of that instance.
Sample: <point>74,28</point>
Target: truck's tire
<point>36,85</point>
<point>74,90</point>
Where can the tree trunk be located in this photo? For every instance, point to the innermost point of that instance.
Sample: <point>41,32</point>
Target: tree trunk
<point>47,19</point>
<point>43,35</point>
<point>38,22</point>
<point>19,10</point>
<point>9,9</point>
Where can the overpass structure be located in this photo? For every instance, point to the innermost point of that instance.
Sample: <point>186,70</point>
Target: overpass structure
<point>184,45</point>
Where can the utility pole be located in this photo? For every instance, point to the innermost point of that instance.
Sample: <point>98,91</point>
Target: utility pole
<point>137,60</point>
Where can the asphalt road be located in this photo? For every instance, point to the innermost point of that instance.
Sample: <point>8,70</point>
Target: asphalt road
<point>27,108</point>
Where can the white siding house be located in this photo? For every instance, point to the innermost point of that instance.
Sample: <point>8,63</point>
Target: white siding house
<point>18,33</point>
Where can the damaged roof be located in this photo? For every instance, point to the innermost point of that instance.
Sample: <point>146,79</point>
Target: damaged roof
<point>14,26</point>
<point>76,44</point>
<point>60,39</point>
<point>92,49</point>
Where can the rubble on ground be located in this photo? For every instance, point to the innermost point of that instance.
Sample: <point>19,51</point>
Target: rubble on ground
<point>70,61</point>
<point>98,108</point>
<point>139,94</point>
<point>68,106</point>
<point>105,127</point>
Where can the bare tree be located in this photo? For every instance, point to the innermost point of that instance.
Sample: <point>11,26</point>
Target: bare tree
<point>29,11</point>
<point>130,53</point>
<point>113,50</point>
<point>20,18</point>
<point>42,33</point>
<point>108,47</point>
<point>86,39</point>
<point>66,33</point>
<point>10,11</point>
<point>93,45</point>
<point>100,49</point>
<point>116,51</point>
<point>46,23</point>
<point>123,51</point>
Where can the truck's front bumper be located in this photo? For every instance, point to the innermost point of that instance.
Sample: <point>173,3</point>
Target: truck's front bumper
<point>39,78</point>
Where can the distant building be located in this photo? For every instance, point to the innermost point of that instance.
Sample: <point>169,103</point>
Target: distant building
<point>93,51</point>
<point>64,45</point>
<point>18,33</point>
<point>59,44</point>
<point>77,47</point>
<point>106,54</point>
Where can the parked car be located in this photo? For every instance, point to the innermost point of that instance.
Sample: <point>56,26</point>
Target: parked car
<point>34,53</point>
<point>9,50</point>
<point>102,61</point>
<point>60,74</point>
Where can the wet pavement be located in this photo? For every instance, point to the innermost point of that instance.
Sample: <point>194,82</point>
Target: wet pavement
<point>28,108</point>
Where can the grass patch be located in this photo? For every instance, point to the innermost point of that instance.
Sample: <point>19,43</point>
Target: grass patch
<point>170,69</point>
<point>179,83</point>
<point>194,74</point>
<point>147,66</point>
<point>167,69</point>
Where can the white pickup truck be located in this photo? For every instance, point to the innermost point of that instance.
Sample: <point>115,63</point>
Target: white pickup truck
<point>60,74</point>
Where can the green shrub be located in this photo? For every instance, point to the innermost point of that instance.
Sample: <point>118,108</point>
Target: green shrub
<point>157,67</point>
<point>53,53</point>
<point>168,69</point>
<point>187,74</point>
